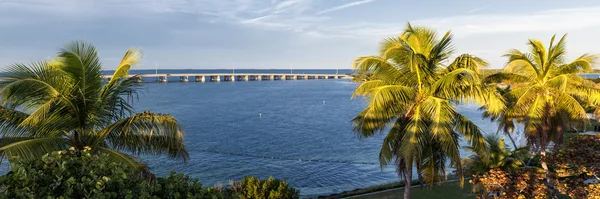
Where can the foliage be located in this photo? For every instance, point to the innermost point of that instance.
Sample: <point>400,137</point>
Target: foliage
<point>254,188</point>
<point>85,174</point>
<point>496,156</point>
<point>362,76</point>
<point>547,94</point>
<point>71,174</point>
<point>576,163</point>
<point>52,105</point>
<point>414,93</point>
<point>522,183</point>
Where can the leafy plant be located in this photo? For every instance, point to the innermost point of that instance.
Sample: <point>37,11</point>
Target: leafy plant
<point>496,156</point>
<point>254,188</point>
<point>86,174</point>
<point>71,174</point>
<point>53,105</point>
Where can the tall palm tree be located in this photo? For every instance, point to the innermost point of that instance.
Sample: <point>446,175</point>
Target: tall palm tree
<point>414,93</point>
<point>62,103</point>
<point>548,93</point>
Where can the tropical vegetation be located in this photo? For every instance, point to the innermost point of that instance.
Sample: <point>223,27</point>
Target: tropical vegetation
<point>61,103</point>
<point>547,95</point>
<point>414,93</point>
<point>68,133</point>
<point>85,174</point>
<point>496,156</point>
<point>361,76</point>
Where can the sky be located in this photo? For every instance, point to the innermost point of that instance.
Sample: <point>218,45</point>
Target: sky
<point>282,34</point>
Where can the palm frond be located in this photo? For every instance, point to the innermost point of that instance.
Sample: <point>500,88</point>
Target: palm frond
<point>127,160</point>
<point>10,123</point>
<point>81,63</point>
<point>30,147</point>
<point>471,132</point>
<point>365,88</point>
<point>146,133</point>
<point>381,69</point>
<point>131,58</point>
<point>521,63</point>
<point>467,61</point>
<point>582,64</point>
<point>461,85</point>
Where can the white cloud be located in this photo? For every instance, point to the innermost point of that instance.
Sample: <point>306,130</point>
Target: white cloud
<point>344,6</point>
<point>549,21</point>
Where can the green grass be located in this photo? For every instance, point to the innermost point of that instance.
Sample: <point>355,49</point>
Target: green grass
<point>449,190</point>
<point>590,126</point>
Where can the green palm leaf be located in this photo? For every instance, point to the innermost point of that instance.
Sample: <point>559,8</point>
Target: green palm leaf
<point>131,57</point>
<point>30,147</point>
<point>147,133</point>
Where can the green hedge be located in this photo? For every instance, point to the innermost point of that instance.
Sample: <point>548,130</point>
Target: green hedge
<point>81,174</point>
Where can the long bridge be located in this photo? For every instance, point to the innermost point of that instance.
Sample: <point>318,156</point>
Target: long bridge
<point>209,77</point>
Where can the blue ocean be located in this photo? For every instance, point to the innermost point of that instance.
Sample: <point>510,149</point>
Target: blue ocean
<point>298,130</point>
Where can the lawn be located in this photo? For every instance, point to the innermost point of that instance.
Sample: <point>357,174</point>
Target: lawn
<point>450,190</point>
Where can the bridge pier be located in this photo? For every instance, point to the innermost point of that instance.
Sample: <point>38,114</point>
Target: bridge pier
<point>199,78</point>
<point>215,78</point>
<point>163,79</point>
<point>183,79</point>
<point>272,77</point>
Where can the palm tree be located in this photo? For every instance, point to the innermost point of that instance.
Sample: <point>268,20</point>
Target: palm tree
<point>414,94</point>
<point>62,103</point>
<point>548,93</point>
<point>496,156</point>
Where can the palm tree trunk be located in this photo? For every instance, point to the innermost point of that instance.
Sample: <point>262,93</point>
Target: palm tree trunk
<point>549,183</point>
<point>420,177</point>
<point>407,182</point>
<point>543,141</point>
<point>512,140</point>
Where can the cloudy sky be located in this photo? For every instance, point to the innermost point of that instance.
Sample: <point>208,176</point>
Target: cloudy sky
<point>209,34</point>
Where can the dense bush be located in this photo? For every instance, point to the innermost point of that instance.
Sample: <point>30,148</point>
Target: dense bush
<point>254,188</point>
<point>82,174</point>
<point>71,174</point>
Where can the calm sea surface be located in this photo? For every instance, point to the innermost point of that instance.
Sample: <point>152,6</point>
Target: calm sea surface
<point>296,130</point>
<point>292,124</point>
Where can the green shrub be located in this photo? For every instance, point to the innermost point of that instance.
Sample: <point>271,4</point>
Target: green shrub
<point>70,174</point>
<point>83,174</point>
<point>254,188</point>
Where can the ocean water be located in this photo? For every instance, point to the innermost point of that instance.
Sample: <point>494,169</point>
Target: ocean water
<point>299,131</point>
<point>296,130</point>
